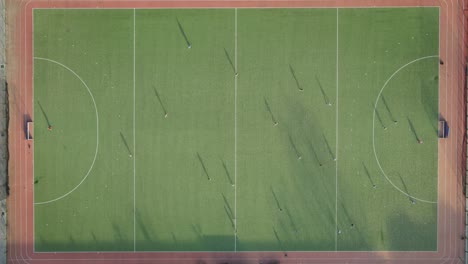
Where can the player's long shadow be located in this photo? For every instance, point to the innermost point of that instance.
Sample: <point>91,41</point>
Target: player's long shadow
<point>228,175</point>
<point>117,231</point>
<point>230,216</point>
<point>330,151</point>
<point>291,221</point>
<point>267,105</point>
<point>203,166</point>
<point>226,204</point>
<point>325,96</point>
<point>346,213</point>
<point>276,199</point>
<point>93,235</point>
<point>291,141</point>
<point>377,114</point>
<point>405,188</point>
<point>314,153</point>
<point>229,60</point>
<point>368,174</point>
<point>278,239</point>
<point>197,230</point>
<point>182,31</point>
<point>390,114</point>
<point>174,238</point>
<point>44,113</point>
<point>72,240</point>
<point>160,101</point>
<point>142,226</point>
<point>413,129</point>
<point>293,73</point>
<point>125,143</point>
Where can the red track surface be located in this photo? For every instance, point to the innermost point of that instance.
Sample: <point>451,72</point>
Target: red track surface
<point>451,201</point>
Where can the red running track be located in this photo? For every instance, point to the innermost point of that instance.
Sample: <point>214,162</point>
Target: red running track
<point>452,155</point>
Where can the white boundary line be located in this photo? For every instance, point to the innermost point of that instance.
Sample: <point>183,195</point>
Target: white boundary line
<point>134,137</point>
<point>97,131</point>
<point>264,7</point>
<point>402,258</point>
<point>336,130</point>
<point>235,130</point>
<point>33,143</point>
<point>373,128</point>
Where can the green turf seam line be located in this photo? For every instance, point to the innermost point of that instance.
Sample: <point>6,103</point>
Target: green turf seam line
<point>97,132</point>
<point>336,133</point>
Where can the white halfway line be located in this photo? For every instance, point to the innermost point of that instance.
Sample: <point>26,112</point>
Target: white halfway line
<point>235,129</point>
<point>134,136</point>
<point>336,146</point>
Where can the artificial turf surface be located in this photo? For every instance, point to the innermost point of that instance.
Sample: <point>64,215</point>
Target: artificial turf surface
<point>165,183</point>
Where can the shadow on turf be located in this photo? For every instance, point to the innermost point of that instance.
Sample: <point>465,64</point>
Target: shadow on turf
<point>156,93</point>
<point>293,73</point>
<point>429,99</point>
<point>124,141</point>
<point>325,96</point>
<point>389,112</point>
<point>203,166</point>
<point>415,134</point>
<point>228,175</point>
<point>294,147</point>
<point>267,105</point>
<point>182,31</point>
<point>379,117</point>
<point>229,60</point>
<point>44,114</point>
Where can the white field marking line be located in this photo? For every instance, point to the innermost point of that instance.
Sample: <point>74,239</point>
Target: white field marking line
<point>446,215</point>
<point>227,251</point>
<point>235,130</point>
<point>134,138</point>
<point>97,131</point>
<point>336,133</point>
<point>264,7</point>
<point>230,251</point>
<point>373,127</point>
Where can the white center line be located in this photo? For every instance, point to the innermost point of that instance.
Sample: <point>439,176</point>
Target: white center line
<point>235,130</point>
<point>336,145</point>
<point>134,137</point>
